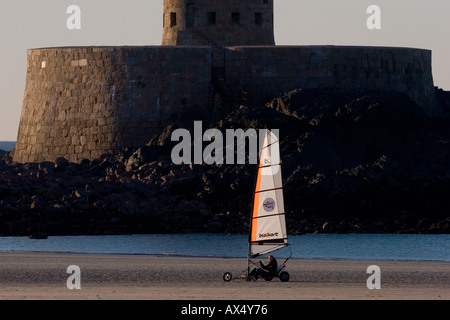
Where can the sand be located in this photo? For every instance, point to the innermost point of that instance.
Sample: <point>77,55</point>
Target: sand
<point>43,276</point>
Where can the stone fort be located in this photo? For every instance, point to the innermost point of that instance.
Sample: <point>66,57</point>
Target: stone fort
<point>81,102</point>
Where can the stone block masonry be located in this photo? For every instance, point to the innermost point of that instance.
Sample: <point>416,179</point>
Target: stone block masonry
<point>82,102</point>
<point>270,71</point>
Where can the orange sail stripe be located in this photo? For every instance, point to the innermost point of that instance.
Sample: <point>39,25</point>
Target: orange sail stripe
<point>256,201</point>
<point>256,206</point>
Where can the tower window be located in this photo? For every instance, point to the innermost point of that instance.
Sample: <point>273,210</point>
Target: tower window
<point>173,19</point>
<point>236,17</point>
<point>211,18</point>
<point>258,18</point>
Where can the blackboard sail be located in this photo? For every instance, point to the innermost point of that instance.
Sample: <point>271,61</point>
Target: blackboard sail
<point>268,224</point>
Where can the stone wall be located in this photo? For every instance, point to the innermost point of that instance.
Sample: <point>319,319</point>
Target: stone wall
<point>268,72</point>
<point>82,102</point>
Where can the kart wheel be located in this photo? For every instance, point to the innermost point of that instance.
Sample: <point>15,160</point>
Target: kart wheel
<point>284,276</point>
<point>227,277</point>
<point>268,278</point>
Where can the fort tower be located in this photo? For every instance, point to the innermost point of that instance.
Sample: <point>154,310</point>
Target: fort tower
<point>218,22</point>
<point>82,102</point>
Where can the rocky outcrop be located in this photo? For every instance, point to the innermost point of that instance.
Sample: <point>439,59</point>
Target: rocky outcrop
<point>353,161</point>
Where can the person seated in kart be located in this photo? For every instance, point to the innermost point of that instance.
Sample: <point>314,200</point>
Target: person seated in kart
<point>268,270</point>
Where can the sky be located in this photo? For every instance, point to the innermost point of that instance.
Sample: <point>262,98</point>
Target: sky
<point>32,24</point>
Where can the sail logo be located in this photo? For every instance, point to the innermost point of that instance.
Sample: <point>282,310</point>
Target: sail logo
<point>269,205</point>
<point>268,234</point>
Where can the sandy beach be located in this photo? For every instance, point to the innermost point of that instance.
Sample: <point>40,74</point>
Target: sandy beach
<point>43,276</point>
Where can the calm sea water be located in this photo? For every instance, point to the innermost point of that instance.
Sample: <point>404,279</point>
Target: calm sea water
<point>309,246</point>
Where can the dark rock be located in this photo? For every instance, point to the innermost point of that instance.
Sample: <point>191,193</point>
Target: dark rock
<point>38,236</point>
<point>353,161</point>
<point>85,162</point>
<point>61,163</point>
<point>7,157</point>
<point>47,166</point>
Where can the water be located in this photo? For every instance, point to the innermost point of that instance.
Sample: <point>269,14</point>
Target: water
<point>310,246</point>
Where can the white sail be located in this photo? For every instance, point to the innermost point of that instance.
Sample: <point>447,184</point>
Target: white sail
<point>268,224</point>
